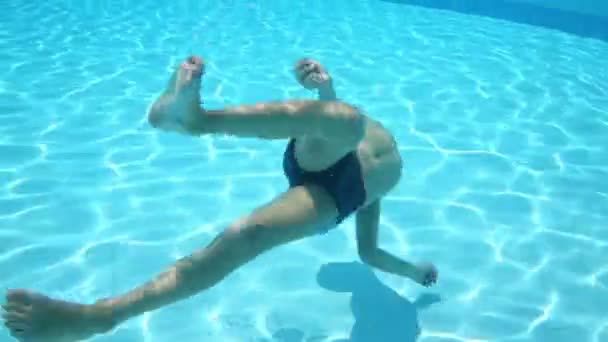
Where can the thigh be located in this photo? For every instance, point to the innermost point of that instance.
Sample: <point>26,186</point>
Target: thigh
<point>299,212</point>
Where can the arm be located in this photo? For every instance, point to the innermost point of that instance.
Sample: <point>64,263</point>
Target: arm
<point>367,222</point>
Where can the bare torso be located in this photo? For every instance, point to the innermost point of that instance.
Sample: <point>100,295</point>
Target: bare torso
<point>381,163</point>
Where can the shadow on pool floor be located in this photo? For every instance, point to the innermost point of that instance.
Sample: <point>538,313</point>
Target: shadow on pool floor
<point>380,313</point>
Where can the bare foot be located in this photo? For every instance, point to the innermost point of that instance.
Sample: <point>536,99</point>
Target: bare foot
<point>178,108</point>
<point>33,317</point>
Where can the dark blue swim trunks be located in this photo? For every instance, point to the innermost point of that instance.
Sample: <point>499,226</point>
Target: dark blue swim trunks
<point>343,180</point>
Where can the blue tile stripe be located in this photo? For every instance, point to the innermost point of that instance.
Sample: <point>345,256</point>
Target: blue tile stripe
<point>571,22</point>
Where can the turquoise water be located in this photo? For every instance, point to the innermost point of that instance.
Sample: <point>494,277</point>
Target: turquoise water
<point>502,126</point>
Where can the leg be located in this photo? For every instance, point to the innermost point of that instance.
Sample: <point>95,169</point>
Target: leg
<point>294,215</point>
<point>178,109</point>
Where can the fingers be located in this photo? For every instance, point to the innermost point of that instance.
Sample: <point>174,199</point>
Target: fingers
<point>428,275</point>
<point>430,278</point>
<point>429,281</point>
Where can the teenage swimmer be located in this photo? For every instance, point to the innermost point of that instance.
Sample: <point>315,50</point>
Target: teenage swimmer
<point>338,162</point>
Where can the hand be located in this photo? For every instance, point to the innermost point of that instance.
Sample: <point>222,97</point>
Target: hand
<point>426,274</point>
<point>311,74</point>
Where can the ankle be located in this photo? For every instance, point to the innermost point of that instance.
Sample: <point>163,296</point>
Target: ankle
<point>198,123</point>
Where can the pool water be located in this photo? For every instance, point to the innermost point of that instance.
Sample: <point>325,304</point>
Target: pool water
<point>503,128</point>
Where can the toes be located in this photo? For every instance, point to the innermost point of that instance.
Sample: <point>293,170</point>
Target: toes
<point>16,323</point>
<point>190,72</point>
<point>20,326</point>
<point>24,298</point>
<point>15,320</point>
<point>19,296</point>
<point>185,74</point>
<point>195,64</point>
<point>15,308</point>
<point>195,60</point>
<point>20,334</point>
<point>14,316</point>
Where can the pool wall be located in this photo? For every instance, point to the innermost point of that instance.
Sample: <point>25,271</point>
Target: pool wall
<point>589,7</point>
<point>585,18</point>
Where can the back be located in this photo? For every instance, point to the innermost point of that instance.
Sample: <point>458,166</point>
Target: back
<point>378,154</point>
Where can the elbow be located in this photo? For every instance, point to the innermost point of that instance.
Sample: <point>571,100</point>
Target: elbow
<point>368,256</point>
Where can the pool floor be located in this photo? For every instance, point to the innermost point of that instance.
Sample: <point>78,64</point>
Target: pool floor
<point>502,127</point>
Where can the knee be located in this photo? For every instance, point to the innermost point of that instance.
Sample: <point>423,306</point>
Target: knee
<point>350,123</point>
<point>247,238</point>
